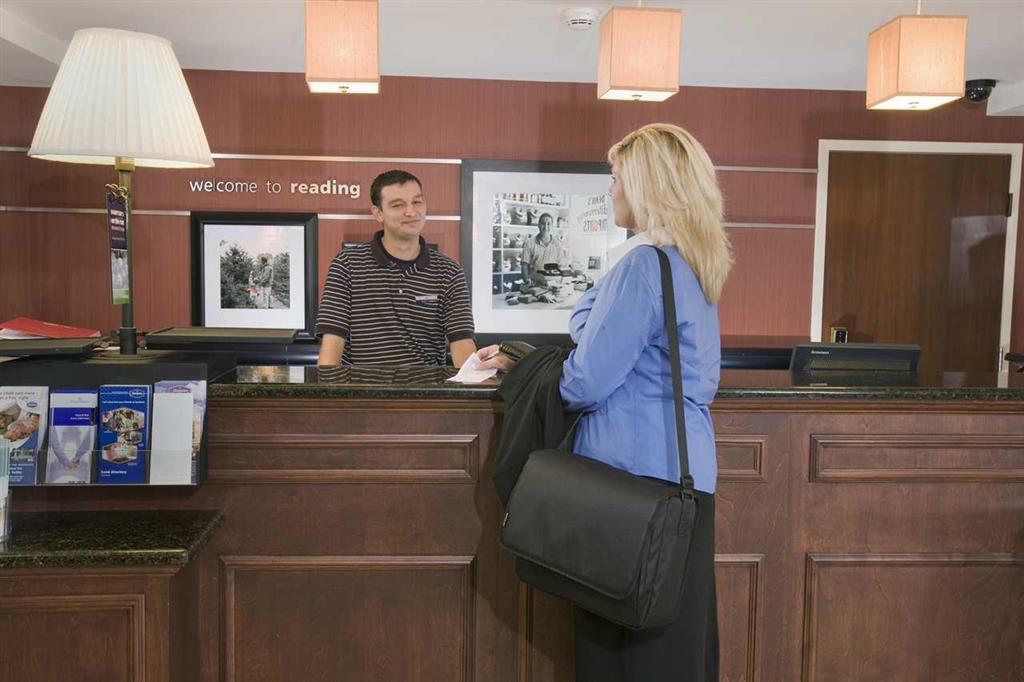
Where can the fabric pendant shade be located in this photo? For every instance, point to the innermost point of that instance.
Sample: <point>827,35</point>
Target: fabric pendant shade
<point>916,62</point>
<point>342,53</point>
<point>121,94</point>
<point>638,57</point>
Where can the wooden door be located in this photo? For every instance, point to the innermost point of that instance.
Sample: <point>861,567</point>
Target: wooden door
<point>914,251</point>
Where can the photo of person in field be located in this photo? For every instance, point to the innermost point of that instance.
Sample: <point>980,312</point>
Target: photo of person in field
<point>253,281</point>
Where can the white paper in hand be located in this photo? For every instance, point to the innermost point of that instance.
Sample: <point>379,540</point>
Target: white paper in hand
<point>470,372</point>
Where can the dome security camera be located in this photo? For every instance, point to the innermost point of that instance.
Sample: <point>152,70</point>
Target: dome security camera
<point>979,89</point>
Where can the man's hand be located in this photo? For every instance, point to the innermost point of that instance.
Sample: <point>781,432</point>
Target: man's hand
<point>491,357</point>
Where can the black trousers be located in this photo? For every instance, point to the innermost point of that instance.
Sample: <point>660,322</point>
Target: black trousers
<point>685,651</point>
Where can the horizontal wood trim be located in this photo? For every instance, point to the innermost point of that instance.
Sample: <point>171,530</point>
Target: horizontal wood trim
<point>355,404</point>
<point>385,562</point>
<point>74,602</point>
<point>865,406</point>
<point>467,444</point>
<point>773,404</point>
<point>834,457</point>
<point>264,476</point>
<point>822,560</point>
<point>89,571</point>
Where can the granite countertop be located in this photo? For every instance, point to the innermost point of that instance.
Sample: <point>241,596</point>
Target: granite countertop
<point>277,381</point>
<point>297,381</point>
<point>72,539</point>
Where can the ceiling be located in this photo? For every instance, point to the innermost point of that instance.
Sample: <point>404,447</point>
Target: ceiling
<point>817,44</point>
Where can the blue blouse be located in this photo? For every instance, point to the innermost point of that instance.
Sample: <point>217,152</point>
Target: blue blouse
<point>619,371</point>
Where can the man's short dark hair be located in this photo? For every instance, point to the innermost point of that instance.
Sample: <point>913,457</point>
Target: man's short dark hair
<point>388,178</point>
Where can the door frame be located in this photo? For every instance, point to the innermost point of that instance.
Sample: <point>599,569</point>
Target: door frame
<point>825,147</point>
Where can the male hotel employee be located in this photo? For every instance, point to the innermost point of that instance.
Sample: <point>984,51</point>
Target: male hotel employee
<point>392,301</point>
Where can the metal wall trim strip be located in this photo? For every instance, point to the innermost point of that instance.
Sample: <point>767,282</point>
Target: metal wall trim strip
<point>368,216</point>
<point>771,226</point>
<point>336,159</point>
<point>306,157</point>
<point>764,169</point>
<point>343,216</point>
<point>455,162</point>
<point>144,211</point>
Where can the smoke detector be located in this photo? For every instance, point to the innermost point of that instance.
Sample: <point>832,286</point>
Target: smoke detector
<point>581,18</point>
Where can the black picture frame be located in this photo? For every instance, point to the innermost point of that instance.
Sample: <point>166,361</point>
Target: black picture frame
<point>202,221</point>
<point>468,227</point>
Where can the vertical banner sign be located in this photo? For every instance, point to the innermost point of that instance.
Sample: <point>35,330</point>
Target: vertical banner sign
<point>117,217</point>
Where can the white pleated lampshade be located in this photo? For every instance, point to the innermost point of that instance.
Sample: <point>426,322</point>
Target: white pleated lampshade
<point>121,94</point>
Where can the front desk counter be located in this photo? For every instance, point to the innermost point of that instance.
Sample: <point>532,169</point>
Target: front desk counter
<point>863,533</point>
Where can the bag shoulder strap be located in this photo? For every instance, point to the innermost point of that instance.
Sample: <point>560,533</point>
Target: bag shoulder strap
<point>669,299</point>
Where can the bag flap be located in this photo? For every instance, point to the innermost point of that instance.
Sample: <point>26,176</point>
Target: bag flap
<point>584,519</point>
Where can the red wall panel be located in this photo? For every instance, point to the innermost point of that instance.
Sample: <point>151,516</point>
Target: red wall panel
<point>273,113</point>
<point>768,292</point>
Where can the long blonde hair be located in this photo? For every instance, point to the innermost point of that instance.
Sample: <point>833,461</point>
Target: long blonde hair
<point>670,184</point>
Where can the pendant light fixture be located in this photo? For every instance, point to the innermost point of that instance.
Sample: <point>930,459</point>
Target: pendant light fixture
<point>916,62</point>
<point>638,57</point>
<point>342,38</point>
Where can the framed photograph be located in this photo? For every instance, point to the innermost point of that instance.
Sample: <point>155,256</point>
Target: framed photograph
<point>256,270</point>
<point>535,236</point>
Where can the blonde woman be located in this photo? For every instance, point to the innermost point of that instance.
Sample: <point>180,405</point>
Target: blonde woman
<point>664,189</point>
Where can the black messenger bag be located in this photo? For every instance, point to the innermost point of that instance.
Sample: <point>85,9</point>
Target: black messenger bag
<point>609,541</point>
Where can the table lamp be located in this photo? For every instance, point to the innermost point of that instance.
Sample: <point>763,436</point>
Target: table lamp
<point>120,98</point>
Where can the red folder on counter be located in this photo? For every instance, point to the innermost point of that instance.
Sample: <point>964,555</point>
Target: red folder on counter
<point>25,327</point>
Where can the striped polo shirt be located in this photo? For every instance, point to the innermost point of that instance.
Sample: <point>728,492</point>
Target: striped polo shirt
<point>393,312</point>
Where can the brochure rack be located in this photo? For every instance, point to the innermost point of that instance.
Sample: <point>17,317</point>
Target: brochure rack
<point>147,367</point>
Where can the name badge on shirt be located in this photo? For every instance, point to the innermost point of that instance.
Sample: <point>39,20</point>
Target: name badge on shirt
<point>429,298</point>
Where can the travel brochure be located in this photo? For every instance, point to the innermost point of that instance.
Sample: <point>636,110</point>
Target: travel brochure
<point>22,423</point>
<point>116,434</point>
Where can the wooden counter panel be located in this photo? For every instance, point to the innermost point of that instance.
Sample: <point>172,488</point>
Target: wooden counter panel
<point>72,637</point>
<point>132,624</point>
<point>348,617</point>
<point>738,581</point>
<point>342,441</point>
<point>372,526</point>
<point>740,458</point>
<point>916,618</point>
